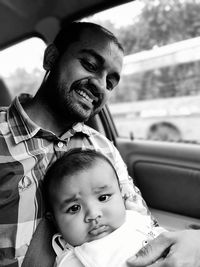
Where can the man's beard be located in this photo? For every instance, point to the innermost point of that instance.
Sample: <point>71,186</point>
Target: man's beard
<point>62,103</point>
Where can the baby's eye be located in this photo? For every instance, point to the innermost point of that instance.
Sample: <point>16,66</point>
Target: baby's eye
<point>105,197</point>
<point>74,209</point>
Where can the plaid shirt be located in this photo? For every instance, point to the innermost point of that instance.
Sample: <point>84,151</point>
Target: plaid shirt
<point>26,151</point>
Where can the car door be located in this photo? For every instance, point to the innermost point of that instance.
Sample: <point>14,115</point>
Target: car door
<point>168,176</point>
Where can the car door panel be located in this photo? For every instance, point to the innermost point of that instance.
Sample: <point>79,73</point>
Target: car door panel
<point>168,175</point>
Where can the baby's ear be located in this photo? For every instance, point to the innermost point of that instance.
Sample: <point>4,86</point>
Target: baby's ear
<point>49,216</point>
<point>50,56</point>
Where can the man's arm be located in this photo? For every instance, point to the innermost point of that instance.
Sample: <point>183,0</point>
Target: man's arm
<point>173,249</point>
<point>40,252</point>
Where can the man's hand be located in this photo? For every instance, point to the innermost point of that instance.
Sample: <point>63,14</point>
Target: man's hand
<point>170,249</point>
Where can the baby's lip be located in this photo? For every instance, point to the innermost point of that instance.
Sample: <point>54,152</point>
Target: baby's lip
<point>98,230</point>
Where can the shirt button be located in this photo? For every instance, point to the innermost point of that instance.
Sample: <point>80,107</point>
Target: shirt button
<point>72,131</point>
<point>144,243</point>
<point>60,144</point>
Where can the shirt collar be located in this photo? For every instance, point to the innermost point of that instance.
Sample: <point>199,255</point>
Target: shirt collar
<point>79,127</point>
<point>59,244</point>
<point>23,128</point>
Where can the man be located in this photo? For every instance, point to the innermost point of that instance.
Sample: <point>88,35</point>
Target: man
<point>83,66</point>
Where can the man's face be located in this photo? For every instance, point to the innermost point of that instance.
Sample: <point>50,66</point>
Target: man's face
<point>88,205</point>
<point>85,75</point>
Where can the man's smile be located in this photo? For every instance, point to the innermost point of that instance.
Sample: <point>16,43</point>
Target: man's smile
<point>84,95</point>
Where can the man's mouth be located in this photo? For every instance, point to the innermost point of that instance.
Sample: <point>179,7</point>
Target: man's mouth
<point>84,95</point>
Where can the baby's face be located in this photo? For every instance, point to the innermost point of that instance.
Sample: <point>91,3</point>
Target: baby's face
<point>88,205</point>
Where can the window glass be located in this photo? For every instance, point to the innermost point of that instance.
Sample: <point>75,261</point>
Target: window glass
<point>158,97</point>
<point>21,67</point>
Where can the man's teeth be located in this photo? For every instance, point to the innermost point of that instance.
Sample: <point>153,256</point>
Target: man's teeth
<point>83,94</point>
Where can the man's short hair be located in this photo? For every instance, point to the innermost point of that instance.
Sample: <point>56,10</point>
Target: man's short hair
<point>72,31</point>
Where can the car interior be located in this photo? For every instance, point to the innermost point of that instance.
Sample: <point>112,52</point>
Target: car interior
<point>167,173</point>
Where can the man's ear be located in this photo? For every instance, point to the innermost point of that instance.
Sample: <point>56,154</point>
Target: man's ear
<point>50,56</point>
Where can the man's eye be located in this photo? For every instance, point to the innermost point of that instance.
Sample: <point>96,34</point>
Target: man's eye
<point>104,198</point>
<point>74,209</point>
<point>88,65</point>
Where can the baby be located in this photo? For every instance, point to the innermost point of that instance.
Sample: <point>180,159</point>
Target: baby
<point>85,203</point>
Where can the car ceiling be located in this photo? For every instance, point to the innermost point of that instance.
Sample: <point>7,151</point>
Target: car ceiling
<point>22,18</point>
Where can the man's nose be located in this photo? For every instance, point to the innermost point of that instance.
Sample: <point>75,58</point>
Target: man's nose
<point>99,84</point>
<point>93,213</point>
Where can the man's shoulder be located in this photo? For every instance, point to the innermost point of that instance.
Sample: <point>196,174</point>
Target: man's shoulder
<point>3,114</point>
<point>101,142</point>
<point>94,133</point>
<point>3,109</point>
<point>4,124</point>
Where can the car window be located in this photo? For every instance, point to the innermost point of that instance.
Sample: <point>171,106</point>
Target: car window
<point>158,97</point>
<point>21,67</point>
